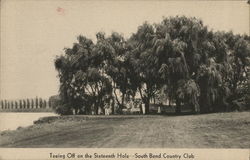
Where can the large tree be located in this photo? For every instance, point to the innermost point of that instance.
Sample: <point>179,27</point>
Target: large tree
<point>145,63</point>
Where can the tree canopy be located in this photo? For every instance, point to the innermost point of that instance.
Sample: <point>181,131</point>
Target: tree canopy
<point>180,57</point>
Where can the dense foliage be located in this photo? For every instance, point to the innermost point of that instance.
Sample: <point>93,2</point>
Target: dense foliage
<point>179,57</point>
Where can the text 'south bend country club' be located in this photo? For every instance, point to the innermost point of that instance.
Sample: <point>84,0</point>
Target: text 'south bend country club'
<point>121,156</point>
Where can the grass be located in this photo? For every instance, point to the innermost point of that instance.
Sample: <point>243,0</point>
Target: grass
<point>217,130</point>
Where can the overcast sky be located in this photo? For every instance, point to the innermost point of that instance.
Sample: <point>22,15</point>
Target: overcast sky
<point>34,32</point>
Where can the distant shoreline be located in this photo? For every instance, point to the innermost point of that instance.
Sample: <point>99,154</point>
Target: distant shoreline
<point>28,110</point>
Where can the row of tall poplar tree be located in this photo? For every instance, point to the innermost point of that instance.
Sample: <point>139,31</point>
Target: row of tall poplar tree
<point>179,59</point>
<point>24,103</point>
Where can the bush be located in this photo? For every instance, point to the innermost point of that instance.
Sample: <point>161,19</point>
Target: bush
<point>63,109</point>
<point>58,106</point>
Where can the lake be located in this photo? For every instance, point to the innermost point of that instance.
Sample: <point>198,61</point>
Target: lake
<point>13,120</point>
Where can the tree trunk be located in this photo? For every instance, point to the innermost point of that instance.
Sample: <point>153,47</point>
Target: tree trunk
<point>103,110</point>
<point>147,101</point>
<point>123,97</point>
<point>178,107</point>
<point>113,105</point>
<point>118,102</point>
<point>96,110</point>
<point>96,107</point>
<point>196,109</point>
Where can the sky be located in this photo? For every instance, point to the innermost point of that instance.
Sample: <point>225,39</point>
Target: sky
<point>34,32</point>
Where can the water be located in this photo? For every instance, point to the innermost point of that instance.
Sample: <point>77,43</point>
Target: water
<point>13,120</point>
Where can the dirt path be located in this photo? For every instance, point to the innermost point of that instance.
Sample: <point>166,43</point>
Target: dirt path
<point>228,130</point>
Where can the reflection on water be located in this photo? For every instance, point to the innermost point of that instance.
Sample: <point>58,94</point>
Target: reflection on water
<point>13,120</point>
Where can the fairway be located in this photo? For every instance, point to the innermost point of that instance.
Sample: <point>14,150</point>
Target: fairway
<point>218,130</point>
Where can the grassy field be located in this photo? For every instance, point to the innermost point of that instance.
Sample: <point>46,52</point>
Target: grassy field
<point>218,130</point>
